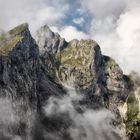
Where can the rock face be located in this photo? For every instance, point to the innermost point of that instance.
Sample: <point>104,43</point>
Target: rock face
<point>19,66</point>
<point>33,76</point>
<point>82,63</point>
<point>49,41</point>
<point>19,57</point>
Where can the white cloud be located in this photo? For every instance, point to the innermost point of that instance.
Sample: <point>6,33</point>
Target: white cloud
<point>129,27</point>
<point>128,31</point>
<point>70,32</point>
<point>89,125</point>
<point>80,11</point>
<point>104,8</point>
<point>115,26</point>
<point>35,12</point>
<point>44,15</point>
<point>79,21</point>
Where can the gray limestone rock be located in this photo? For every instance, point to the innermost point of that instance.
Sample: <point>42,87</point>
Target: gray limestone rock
<point>49,41</point>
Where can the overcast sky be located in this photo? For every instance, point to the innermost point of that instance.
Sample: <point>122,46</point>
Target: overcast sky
<point>114,24</point>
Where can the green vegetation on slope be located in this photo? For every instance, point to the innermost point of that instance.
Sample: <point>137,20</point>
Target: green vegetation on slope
<point>132,107</point>
<point>9,40</point>
<point>132,120</point>
<point>8,46</point>
<point>77,53</point>
<point>19,29</point>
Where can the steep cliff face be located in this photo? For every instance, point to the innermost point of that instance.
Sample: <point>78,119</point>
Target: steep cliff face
<point>132,111</point>
<point>39,80</point>
<point>19,66</point>
<point>82,64</point>
<point>99,78</point>
<point>18,63</point>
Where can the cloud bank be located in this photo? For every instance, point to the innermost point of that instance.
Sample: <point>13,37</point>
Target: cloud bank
<point>116,29</point>
<point>89,125</point>
<point>115,25</point>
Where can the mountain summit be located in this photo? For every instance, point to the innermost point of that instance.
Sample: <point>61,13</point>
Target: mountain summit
<point>48,86</point>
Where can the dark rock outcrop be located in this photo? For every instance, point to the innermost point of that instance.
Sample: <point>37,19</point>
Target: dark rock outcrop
<point>19,69</point>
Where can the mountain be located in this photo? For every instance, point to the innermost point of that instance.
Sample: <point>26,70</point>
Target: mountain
<point>49,87</point>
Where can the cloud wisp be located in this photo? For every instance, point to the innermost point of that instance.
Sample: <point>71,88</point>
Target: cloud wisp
<point>88,125</point>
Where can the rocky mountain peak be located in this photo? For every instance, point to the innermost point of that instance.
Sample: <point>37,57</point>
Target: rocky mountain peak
<point>18,54</point>
<point>49,41</point>
<point>79,53</point>
<point>19,29</point>
<point>33,74</point>
<point>79,61</point>
<point>9,40</point>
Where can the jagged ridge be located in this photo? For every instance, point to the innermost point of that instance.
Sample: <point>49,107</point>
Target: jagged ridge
<point>33,71</point>
<point>9,40</point>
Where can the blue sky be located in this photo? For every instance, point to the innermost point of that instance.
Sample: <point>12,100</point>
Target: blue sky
<point>80,20</point>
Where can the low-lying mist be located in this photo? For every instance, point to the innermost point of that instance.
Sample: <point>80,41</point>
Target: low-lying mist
<point>84,123</point>
<point>60,118</point>
<point>16,119</point>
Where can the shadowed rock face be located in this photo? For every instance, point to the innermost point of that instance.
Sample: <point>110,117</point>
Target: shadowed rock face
<point>33,76</point>
<point>18,63</point>
<point>19,66</point>
<point>22,81</point>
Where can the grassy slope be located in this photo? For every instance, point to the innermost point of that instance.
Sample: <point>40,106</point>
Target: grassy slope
<point>9,40</point>
<point>132,121</point>
<point>77,55</point>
